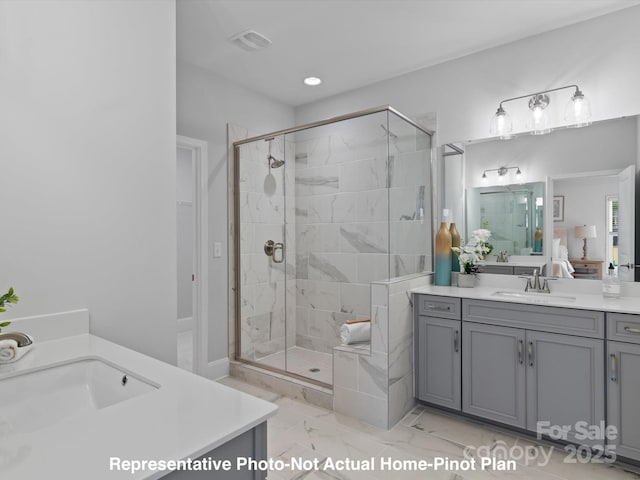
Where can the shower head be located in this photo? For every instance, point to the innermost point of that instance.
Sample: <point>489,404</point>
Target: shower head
<point>274,162</point>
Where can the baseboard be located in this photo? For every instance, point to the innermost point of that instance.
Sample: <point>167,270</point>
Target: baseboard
<point>185,324</point>
<point>217,369</point>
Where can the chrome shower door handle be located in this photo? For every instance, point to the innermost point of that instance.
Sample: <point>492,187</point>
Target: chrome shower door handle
<point>271,248</point>
<point>276,247</point>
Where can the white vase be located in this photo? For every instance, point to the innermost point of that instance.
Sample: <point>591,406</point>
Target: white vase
<point>466,280</point>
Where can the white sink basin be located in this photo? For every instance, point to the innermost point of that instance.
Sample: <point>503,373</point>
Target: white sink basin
<point>533,297</point>
<point>34,400</point>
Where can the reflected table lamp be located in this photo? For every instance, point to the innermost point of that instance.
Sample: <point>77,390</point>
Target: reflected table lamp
<point>585,232</point>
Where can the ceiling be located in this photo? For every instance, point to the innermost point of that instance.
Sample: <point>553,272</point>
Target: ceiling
<point>352,43</point>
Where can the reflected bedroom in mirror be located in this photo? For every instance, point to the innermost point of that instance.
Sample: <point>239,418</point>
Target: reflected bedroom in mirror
<point>564,200</point>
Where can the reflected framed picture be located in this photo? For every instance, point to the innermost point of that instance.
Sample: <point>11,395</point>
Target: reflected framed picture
<point>558,208</point>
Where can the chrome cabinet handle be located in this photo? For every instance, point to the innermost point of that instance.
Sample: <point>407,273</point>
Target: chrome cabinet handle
<point>614,367</point>
<point>632,330</point>
<point>520,359</point>
<point>531,354</point>
<point>438,307</point>
<point>456,342</point>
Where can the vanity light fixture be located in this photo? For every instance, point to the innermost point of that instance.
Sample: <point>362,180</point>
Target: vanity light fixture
<point>502,171</point>
<point>577,113</point>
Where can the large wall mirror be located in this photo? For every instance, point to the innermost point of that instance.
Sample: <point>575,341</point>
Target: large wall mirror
<point>570,178</point>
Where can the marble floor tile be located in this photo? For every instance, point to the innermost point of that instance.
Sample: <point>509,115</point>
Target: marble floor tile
<point>309,432</point>
<point>461,431</point>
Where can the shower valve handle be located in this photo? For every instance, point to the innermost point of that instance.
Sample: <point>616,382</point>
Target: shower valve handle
<point>270,249</point>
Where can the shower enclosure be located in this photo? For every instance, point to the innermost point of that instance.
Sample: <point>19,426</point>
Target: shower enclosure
<point>320,212</point>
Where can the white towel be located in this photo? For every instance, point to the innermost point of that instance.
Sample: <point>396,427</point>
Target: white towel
<point>355,332</point>
<point>8,351</point>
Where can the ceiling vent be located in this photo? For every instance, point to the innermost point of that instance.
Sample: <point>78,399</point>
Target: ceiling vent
<point>250,40</point>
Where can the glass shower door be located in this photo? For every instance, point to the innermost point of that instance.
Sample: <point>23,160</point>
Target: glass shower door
<point>262,261</point>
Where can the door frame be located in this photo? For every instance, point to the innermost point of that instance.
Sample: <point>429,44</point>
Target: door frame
<point>200,159</point>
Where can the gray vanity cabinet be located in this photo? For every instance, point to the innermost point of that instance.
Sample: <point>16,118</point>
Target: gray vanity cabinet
<point>523,364</point>
<point>564,375</point>
<point>493,373</point>
<point>438,350</point>
<point>438,361</point>
<point>623,397</point>
<point>250,444</point>
<point>623,382</point>
<point>510,269</point>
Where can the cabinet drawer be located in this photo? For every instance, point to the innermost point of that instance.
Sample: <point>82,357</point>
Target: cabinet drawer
<point>584,323</point>
<point>623,327</point>
<point>495,269</point>
<point>437,306</point>
<point>528,270</point>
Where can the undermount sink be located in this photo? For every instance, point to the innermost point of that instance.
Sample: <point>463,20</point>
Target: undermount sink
<point>533,297</point>
<point>37,399</point>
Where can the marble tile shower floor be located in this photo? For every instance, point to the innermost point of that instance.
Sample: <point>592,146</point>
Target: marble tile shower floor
<point>302,361</point>
<point>306,431</point>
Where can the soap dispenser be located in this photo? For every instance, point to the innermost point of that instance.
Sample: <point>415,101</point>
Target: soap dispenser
<point>611,284</point>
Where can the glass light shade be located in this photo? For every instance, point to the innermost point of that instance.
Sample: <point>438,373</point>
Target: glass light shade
<point>578,111</point>
<point>539,121</point>
<point>501,124</point>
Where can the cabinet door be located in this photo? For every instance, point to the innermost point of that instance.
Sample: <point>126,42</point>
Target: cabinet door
<point>493,373</point>
<point>438,371</point>
<point>564,379</point>
<point>623,392</point>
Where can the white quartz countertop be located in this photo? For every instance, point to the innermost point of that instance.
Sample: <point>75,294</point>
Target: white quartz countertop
<point>184,418</point>
<point>569,297</point>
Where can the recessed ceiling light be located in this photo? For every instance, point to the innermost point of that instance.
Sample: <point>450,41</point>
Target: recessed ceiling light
<point>312,81</point>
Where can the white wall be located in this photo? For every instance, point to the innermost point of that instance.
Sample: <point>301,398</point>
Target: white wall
<point>600,55</point>
<point>206,104</point>
<point>87,153</point>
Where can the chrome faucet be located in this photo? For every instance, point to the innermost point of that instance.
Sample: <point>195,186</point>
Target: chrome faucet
<point>534,285</point>
<point>503,257</point>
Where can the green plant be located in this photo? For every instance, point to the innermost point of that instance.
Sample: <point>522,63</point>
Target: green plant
<point>7,298</point>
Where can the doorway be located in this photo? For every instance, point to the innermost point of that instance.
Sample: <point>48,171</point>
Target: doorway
<point>191,245</point>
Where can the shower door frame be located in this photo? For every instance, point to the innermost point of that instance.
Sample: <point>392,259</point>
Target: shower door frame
<point>236,219</point>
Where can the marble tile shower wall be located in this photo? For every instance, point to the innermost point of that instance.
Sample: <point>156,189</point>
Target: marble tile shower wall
<point>377,387</point>
<point>358,198</point>
<point>264,311</point>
